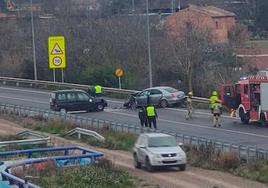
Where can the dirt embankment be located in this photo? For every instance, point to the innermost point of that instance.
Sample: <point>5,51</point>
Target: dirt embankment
<point>191,178</point>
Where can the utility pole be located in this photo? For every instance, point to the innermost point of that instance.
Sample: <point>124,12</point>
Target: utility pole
<point>133,6</point>
<point>149,44</point>
<point>33,42</point>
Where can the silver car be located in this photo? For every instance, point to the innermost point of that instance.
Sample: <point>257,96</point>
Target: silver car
<point>158,150</point>
<point>158,96</point>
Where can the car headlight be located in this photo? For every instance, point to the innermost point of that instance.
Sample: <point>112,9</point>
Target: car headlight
<point>90,100</point>
<point>157,156</point>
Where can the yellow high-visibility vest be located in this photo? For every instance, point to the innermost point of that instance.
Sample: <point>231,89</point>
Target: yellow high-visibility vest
<point>150,111</point>
<point>213,100</point>
<point>98,89</point>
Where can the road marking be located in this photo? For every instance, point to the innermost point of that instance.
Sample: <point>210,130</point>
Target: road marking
<point>30,91</point>
<point>25,100</point>
<point>199,126</point>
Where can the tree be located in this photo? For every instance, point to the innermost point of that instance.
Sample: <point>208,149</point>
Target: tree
<point>262,14</point>
<point>190,51</point>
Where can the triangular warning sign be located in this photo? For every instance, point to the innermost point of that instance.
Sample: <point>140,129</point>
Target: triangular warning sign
<point>56,50</point>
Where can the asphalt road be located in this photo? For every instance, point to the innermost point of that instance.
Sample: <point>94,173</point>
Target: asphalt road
<point>173,119</point>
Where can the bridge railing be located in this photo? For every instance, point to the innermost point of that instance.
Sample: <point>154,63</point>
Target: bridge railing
<point>247,153</point>
<point>59,85</point>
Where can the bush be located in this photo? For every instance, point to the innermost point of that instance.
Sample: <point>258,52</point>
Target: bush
<point>226,160</point>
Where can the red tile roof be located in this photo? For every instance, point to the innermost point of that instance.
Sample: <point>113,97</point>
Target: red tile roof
<point>212,11</point>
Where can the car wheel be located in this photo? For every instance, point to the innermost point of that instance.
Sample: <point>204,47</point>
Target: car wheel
<point>100,107</point>
<point>182,167</point>
<point>137,164</point>
<point>163,103</point>
<point>148,165</point>
<point>63,110</point>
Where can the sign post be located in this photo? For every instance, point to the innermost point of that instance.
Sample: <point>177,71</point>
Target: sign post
<point>56,54</point>
<point>119,73</point>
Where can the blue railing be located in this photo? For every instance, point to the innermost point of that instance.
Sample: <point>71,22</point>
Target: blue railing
<point>13,180</point>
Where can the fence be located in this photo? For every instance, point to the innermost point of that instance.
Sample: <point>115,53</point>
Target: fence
<point>37,139</point>
<point>245,152</point>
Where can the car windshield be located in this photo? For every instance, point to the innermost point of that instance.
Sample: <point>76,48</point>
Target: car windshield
<point>170,90</point>
<point>166,141</point>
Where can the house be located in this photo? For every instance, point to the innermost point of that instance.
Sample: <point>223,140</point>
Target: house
<point>216,20</point>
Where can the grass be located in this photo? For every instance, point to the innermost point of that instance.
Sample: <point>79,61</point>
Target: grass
<point>204,157</point>
<point>258,43</point>
<point>101,175</point>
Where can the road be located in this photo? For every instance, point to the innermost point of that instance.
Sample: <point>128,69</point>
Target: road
<point>173,119</point>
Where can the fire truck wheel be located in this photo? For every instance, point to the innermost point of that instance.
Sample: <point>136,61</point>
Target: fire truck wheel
<point>244,117</point>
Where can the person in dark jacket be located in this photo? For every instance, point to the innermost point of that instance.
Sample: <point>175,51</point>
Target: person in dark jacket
<point>143,117</point>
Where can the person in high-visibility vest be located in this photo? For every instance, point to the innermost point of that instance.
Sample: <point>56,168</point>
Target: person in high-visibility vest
<point>151,115</point>
<point>213,98</point>
<point>189,105</point>
<point>98,90</point>
<point>217,111</point>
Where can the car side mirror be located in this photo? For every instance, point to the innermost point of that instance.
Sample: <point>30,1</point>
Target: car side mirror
<point>142,146</point>
<point>180,144</point>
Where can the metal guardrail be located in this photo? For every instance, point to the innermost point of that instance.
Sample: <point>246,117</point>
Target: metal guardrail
<point>18,81</point>
<point>245,152</point>
<point>38,139</point>
<point>87,132</point>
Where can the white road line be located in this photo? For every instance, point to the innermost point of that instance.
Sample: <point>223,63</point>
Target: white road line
<point>120,102</point>
<point>198,126</point>
<point>25,100</point>
<point>30,91</point>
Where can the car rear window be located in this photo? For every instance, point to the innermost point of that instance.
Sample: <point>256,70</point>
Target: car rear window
<point>53,95</point>
<point>170,90</point>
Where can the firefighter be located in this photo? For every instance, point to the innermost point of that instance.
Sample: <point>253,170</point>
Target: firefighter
<point>98,90</point>
<point>213,98</point>
<point>216,111</point>
<point>143,117</point>
<point>151,115</point>
<point>189,105</point>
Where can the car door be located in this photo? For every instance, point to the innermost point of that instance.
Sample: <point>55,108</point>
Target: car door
<point>155,96</point>
<point>72,101</point>
<point>83,101</point>
<point>141,149</point>
<point>61,101</point>
<point>142,98</point>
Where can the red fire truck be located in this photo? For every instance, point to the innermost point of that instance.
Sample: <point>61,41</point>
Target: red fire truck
<point>248,97</point>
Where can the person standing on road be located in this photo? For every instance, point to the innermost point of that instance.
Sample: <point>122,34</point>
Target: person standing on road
<point>151,115</point>
<point>189,105</point>
<point>213,98</point>
<point>217,111</point>
<point>143,117</point>
<point>98,90</point>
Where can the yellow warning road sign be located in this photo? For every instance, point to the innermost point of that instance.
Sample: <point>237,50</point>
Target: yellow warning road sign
<point>119,72</point>
<point>56,52</point>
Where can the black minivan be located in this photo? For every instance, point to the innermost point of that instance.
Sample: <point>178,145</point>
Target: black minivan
<point>75,100</point>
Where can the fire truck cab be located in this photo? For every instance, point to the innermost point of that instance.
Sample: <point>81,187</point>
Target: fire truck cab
<point>249,97</point>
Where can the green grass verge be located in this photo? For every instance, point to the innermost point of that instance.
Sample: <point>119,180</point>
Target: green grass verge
<point>258,43</point>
